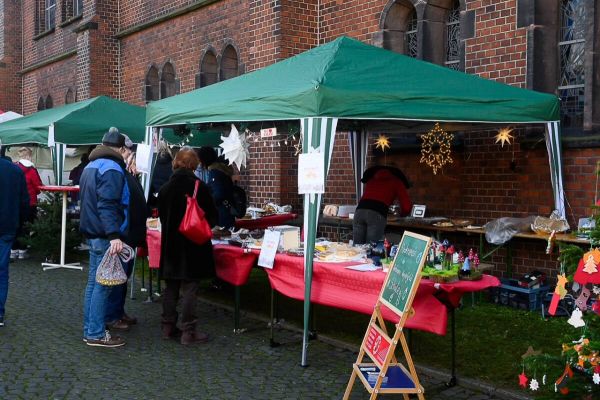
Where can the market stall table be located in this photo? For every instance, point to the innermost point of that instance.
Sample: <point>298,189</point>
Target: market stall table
<point>264,222</point>
<point>64,190</point>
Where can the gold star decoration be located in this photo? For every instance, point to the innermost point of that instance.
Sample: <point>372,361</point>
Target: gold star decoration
<point>382,143</point>
<point>436,158</point>
<point>504,136</point>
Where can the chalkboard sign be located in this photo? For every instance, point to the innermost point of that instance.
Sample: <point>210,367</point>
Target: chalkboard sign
<point>404,275</point>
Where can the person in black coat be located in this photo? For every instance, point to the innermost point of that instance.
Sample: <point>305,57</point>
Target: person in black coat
<point>182,262</point>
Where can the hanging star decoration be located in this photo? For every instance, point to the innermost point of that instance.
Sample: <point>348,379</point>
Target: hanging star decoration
<point>523,379</point>
<point>530,352</point>
<point>534,384</point>
<point>596,378</point>
<point>235,148</point>
<point>504,136</point>
<point>298,146</point>
<point>382,142</point>
<point>436,158</point>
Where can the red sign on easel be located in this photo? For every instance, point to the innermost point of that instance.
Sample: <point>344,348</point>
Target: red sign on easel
<point>377,345</point>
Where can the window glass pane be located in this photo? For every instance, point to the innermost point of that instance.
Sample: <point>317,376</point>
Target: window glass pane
<point>411,36</point>
<point>453,37</point>
<point>77,7</point>
<point>571,106</point>
<point>50,13</point>
<point>572,66</point>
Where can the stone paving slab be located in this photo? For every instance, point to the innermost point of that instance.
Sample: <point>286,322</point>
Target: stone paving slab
<point>42,355</point>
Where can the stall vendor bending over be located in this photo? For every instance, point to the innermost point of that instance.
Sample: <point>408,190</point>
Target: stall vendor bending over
<point>383,185</point>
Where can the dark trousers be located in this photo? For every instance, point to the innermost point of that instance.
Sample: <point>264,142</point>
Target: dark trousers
<point>188,303</point>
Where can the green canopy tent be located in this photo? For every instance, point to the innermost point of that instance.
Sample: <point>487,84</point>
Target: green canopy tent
<point>81,123</point>
<point>347,79</point>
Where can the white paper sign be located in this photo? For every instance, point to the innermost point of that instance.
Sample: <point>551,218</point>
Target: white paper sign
<point>143,158</point>
<point>311,176</point>
<point>268,132</point>
<point>266,258</point>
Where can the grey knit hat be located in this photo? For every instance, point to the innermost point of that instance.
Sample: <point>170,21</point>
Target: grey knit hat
<point>113,138</point>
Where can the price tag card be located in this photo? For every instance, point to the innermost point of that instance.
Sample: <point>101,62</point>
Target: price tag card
<point>268,250</point>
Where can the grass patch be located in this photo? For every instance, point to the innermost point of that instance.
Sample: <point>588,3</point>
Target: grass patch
<point>490,339</point>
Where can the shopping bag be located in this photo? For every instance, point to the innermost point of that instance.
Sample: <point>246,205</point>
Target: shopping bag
<point>194,225</point>
<point>110,271</point>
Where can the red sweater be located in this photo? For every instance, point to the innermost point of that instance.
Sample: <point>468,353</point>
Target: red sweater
<point>381,191</point>
<point>33,183</point>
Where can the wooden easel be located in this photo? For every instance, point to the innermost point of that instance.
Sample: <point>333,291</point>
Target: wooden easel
<point>385,374</point>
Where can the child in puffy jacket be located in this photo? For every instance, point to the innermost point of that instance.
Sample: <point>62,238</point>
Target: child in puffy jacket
<point>33,180</point>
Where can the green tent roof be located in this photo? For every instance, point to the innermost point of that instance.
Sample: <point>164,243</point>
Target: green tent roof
<point>84,122</point>
<point>349,79</point>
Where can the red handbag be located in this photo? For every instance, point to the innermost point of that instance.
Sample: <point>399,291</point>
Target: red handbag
<point>194,225</point>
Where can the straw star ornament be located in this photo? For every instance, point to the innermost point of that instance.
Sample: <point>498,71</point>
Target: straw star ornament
<point>382,142</point>
<point>504,136</point>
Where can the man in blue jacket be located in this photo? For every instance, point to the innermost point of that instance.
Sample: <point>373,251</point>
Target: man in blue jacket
<point>14,205</point>
<point>104,195</point>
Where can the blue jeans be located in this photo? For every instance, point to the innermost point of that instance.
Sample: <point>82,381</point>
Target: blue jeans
<point>6,242</point>
<point>96,295</point>
<point>115,305</point>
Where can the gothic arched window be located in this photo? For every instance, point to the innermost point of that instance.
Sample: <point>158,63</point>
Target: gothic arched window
<point>229,63</point>
<point>49,102</point>
<point>152,85</point>
<point>208,69</point>
<point>70,96</point>
<point>168,84</point>
<point>41,104</point>
<point>400,28</point>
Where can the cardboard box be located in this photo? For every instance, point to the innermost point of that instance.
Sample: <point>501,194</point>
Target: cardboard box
<point>290,236</point>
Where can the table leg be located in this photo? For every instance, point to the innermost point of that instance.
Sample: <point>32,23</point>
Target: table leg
<point>452,381</point>
<point>236,312</point>
<point>63,238</point>
<point>150,299</point>
<point>274,318</point>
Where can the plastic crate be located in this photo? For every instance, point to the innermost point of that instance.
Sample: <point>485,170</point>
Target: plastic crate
<point>512,295</point>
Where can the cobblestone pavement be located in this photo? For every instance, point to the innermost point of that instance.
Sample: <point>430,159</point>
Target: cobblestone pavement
<point>42,355</point>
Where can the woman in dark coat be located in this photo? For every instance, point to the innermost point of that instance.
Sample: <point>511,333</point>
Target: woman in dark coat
<point>182,262</point>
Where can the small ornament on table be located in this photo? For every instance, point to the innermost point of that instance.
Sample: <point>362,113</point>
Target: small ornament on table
<point>465,270</point>
<point>461,257</point>
<point>449,255</point>
<point>387,246</point>
<point>471,254</point>
<point>475,260</point>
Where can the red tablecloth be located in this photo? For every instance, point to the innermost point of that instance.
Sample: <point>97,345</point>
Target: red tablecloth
<point>264,222</point>
<point>55,188</point>
<point>335,286</point>
<point>153,242</point>
<point>233,264</point>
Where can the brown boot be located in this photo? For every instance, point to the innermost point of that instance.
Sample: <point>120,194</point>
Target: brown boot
<point>170,331</point>
<point>193,337</point>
